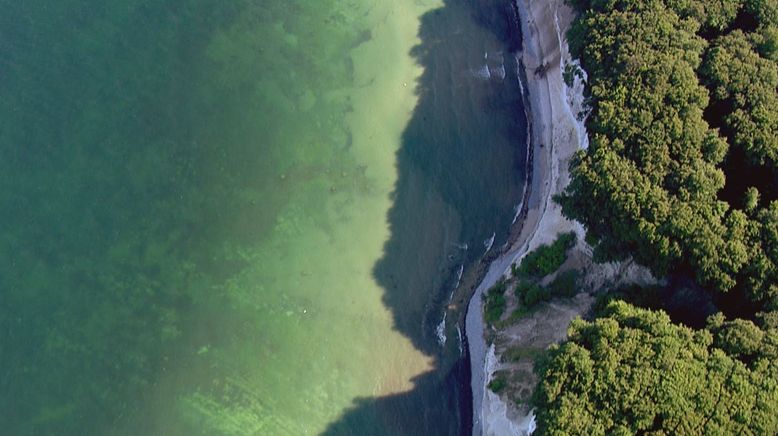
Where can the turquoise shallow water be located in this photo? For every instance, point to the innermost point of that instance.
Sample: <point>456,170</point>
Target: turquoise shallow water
<point>243,217</point>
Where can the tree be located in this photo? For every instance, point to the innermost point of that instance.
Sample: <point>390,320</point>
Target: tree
<point>633,370</point>
<point>747,83</point>
<point>761,273</point>
<point>715,15</point>
<point>653,185</point>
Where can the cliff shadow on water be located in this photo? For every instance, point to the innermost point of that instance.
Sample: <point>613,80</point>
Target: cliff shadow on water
<point>460,176</point>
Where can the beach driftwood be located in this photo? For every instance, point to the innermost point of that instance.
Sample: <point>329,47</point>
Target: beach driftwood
<point>541,70</point>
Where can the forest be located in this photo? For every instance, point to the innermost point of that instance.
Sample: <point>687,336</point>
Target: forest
<point>681,176</point>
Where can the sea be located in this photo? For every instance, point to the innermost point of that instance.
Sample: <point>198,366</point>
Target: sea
<point>247,217</point>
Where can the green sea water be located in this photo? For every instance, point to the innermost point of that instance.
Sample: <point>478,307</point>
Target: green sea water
<point>246,217</point>
<point>194,194</point>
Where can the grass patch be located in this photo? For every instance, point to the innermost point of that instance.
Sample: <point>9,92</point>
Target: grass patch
<point>497,384</point>
<point>494,302</point>
<point>532,294</point>
<point>535,296</point>
<point>547,258</point>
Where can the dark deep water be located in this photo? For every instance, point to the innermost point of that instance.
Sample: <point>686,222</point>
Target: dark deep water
<point>191,199</point>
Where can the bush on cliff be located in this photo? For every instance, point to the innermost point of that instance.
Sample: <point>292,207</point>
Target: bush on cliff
<point>494,302</point>
<point>547,258</point>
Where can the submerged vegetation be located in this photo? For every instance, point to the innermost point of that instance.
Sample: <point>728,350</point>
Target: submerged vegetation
<point>167,171</point>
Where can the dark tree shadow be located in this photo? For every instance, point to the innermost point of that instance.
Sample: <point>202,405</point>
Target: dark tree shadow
<point>460,168</point>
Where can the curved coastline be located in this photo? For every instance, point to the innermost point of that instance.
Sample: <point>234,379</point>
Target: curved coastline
<point>554,137</point>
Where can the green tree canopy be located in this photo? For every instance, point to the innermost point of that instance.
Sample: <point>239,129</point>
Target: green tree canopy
<point>744,80</point>
<point>652,183</point>
<point>633,371</point>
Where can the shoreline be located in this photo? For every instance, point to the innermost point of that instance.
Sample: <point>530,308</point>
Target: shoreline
<point>554,137</point>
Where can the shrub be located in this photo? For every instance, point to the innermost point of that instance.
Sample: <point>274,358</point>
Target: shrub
<point>514,270</point>
<point>523,287</point>
<point>569,74</point>
<point>497,384</point>
<point>530,294</point>
<point>536,294</point>
<point>564,285</point>
<point>547,258</point>
<point>494,302</point>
